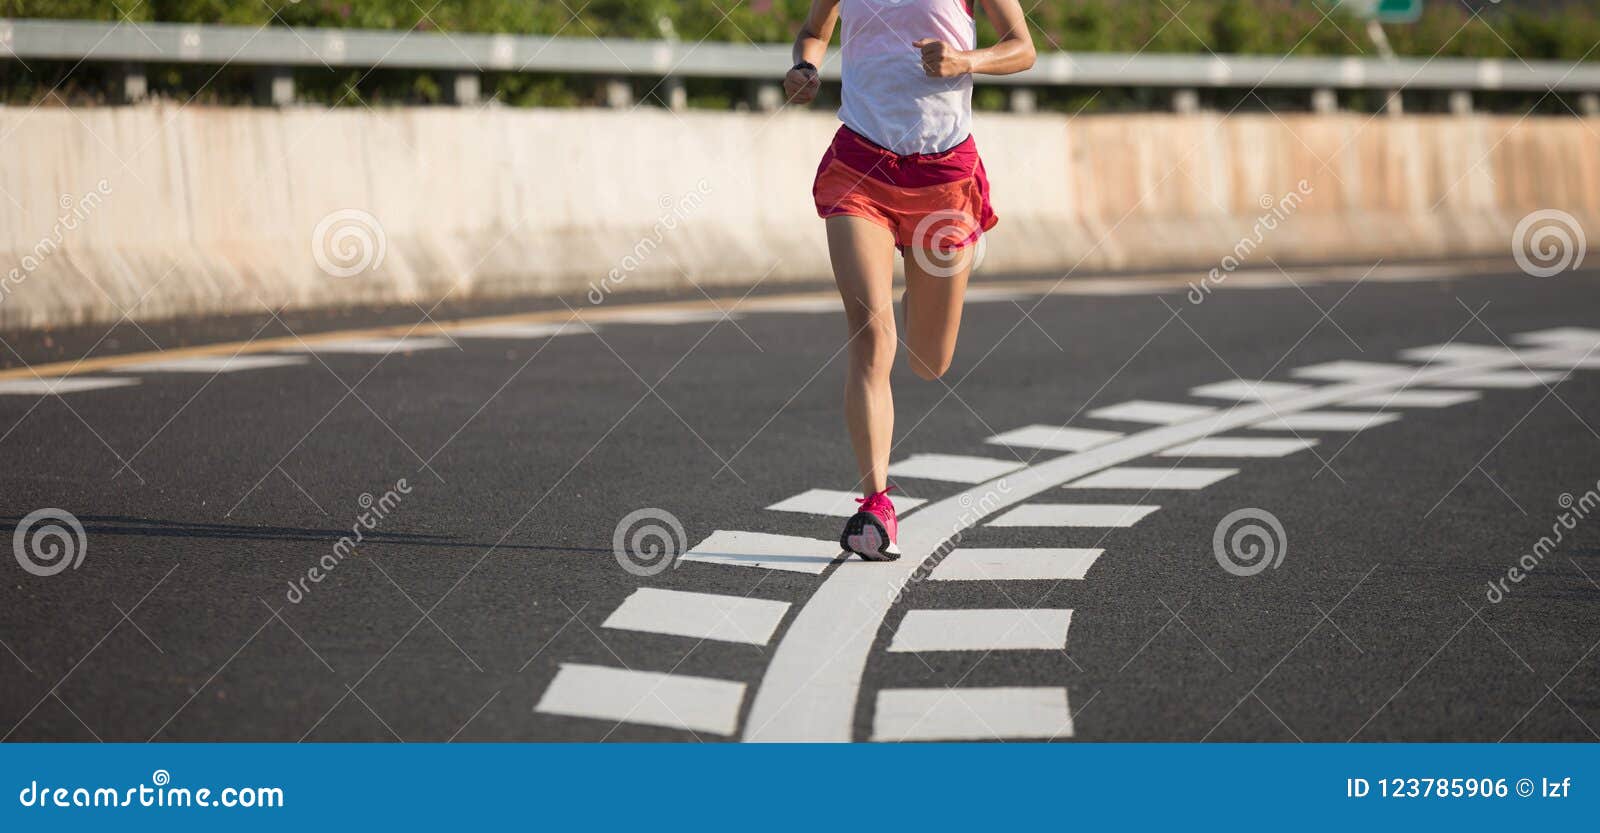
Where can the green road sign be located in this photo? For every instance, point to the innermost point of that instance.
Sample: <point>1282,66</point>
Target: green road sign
<point>1386,11</point>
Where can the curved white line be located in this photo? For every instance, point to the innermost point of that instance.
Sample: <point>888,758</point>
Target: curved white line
<point>809,691</point>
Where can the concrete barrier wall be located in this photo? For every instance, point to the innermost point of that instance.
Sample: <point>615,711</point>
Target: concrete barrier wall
<point>162,211</point>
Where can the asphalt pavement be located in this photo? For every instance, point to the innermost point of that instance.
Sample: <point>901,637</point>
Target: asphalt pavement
<point>1071,585</point>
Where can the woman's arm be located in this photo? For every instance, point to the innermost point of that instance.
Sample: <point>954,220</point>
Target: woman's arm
<point>800,85</point>
<point>1012,53</point>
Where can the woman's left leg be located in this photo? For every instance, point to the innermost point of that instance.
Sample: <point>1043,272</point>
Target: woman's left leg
<point>936,286</point>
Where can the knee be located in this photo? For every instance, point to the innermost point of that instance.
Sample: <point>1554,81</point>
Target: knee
<point>929,368</point>
<point>872,345</point>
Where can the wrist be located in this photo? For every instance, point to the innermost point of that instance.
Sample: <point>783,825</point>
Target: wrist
<point>805,65</point>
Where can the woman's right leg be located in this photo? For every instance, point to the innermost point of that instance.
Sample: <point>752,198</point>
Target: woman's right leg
<point>863,267</point>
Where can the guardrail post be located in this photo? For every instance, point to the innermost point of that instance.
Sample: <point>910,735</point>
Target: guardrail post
<point>1186,101</point>
<point>463,89</point>
<point>1024,100</point>
<point>1394,103</point>
<point>616,93</point>
<point>130,86</point>
<point>1589,104</point>
<point>764,96</point>
<point>274,86</point>
<point>674,93</point>
<point>1324,100</point>
<point>1460,102</point>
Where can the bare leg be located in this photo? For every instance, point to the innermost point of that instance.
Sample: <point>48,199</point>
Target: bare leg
<point>863,267</point>
<point>935,289</point>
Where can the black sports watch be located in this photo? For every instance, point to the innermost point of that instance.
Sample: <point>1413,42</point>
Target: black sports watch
<point>804,65</point>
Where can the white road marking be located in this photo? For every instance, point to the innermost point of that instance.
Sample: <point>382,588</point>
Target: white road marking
<point>676,701</point>
<point>971,714</point>
<point>1580,338</point>
<point>1509,379</point>
<point>835,503</point>
<point>762,549</point>
<point>981,295</point>
<point>1152,477</point>
<point>1249,391</point>
<point>377,346</point>
<point>955,468</point>
<point>1153,413</point>
<point>969,564</point>
<point>1054,437</point>
<point>699,615</point>
<point>213,364</point>
<point>1003,629</point>
<point>60,384</point>
<point>831,303</point>
<point>668,316</point>
<point>1326,421</point>
<point>515,330</point>
<point>810,688</point>
<point>1350,371</point>
<point>1453,353</point>
<point>1239,447</point>
<point>1074,514</point>
<point>1569,363</point>
<point>1415,399</point>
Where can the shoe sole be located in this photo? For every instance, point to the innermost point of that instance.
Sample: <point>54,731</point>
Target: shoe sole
<point>866,536</point>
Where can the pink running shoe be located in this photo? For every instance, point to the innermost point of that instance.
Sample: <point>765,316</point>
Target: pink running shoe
<point>870,533</point>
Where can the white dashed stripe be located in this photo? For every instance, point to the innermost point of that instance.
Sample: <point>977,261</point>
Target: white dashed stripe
<point>835,503</point>
<point>517,331</point>
<point>1147,477</point>
<point>698,615</point>
<point>1005,629</point>
<point>1573,363</point>
<point>1351,371</point>
<point>676,701</point>
<point>213,364</point>
<point>59,385</point>
<point>1239,447</point>
<point>971,714</point>
<point>1415,399</point>
<point>379,346</point>
<point>668,316</point>
<point>1509,379</point>
<point>1581,338</point>
<point>1326,421</point>
<point>1074,514</point>
<point>1153,413</point>
<point>1016,565</point>
<point>761,549</point>
<point>980,296</point>
<point>1455,353</point>
<point>830,303</point>
<point>1249,391</point>
<point>953,467</point>
<point>1054,437</point>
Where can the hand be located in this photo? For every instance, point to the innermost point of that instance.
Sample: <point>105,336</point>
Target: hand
<point>941,60</point>
<point>800,86</point>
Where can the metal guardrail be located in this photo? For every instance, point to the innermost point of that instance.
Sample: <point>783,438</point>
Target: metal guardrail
<point>276,49</point>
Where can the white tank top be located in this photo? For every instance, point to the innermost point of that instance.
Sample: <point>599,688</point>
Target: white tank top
<point>886,95</point>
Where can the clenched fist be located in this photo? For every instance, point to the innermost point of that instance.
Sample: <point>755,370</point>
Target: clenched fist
<point>801,84</point>
<point>941,60</point>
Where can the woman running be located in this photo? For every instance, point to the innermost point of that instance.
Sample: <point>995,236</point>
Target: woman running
<point>902,173</point>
